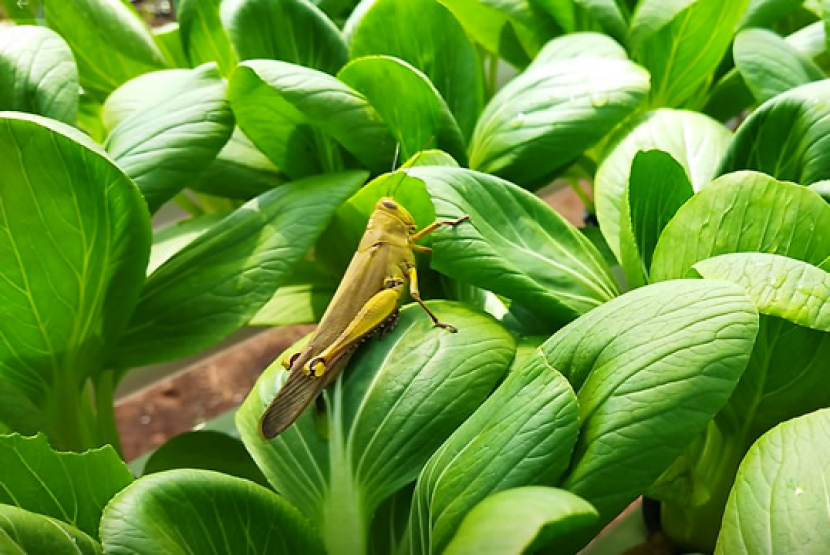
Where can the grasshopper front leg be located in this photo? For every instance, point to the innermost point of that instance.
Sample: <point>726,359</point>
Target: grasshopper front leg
<point>372,315</point>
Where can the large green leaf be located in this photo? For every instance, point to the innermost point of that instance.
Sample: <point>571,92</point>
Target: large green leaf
<point>579,45</point>
<point>437,45</point>
<point>523,434</point>
<point>173,238</point>
<point>657,187</point>
<point>277,103</point>
<point>609,15</point>
<point>511,29</point>
<point>23,532</point>
<point>769,66</point>
<point>110,42</point>
<point>300,300</point>
<point>75,236</point>
<point>168,39</point>
<point>162,145</point>
<point>780,498</point>
<point>24,13</point>
<point>518,520</point>
<point>400,397</point>
<point>221,279</point>
<point>202,35</point>
<point>766,13</point>
<point>546,117</point>
<point>200,511</point>
<point>71,487</point>
<point>695,141</point>
<point>744,212</point>
<point>293,31</point>
<point>788,137</point>
<point>779,286</point>
<point>389,83</point>
<point>37,73</point>
<point>18,413</point>
<point>651,368</point>
<point>535,256</point>
<point>681,43</point>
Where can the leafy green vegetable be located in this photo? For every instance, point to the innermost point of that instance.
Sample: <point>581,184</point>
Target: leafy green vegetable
<point>71,487</point>
<point>39,74</point>
<point>23,532</point>
<point>203,38</point>
<point>201,511</point>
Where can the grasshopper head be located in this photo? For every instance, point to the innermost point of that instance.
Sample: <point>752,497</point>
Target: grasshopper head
<point>398,214</point>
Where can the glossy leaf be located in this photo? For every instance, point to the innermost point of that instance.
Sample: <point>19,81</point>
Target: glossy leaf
<point>23,532</point>
<point>546,117</point>
<point>657,187</point>
<point>681,43</point>
<point>769,66</point>
<point>293,31</point>
<point>18,413</point>
<point>300,300</point>
<point>169,42</point>
<point>161,145</point>
<point>579,46</point>
<point>400,397</point>
<point>39,74</point>
<point>71,487</point>
<point>221,279</point>
<point>515,521</point>
<point>202,35</point>
<point>779,286</point>
<point>523,434</point>
<point>787,137</point>
<point>744,212</point>
<point>277,104</point>
<point>110,42</point>
<point>201,511</point>
<point>695,141</point>
<point>173,238</point>
<point>609,16</point>
<point>444,54</point>
<point>388,83</point>
<point>779,501</point>
<point>766,13</point>
<point>75,240</point>
<point>651,368</point>
<point>207,450</point>
<point>534,255</point>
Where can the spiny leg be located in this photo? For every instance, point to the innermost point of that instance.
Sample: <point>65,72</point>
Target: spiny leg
<point>435,225</point>
<point>416,296</point>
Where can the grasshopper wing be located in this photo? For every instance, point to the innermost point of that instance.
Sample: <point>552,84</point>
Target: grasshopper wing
<point>295,395</point>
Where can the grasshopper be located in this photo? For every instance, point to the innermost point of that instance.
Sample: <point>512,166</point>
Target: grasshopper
<point>366,301</point>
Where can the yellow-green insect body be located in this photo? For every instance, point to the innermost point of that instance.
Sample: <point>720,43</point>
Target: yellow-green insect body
<point>367,300</point>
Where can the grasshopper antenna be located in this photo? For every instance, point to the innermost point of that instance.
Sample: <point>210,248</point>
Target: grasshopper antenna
<point>397,154</point>
<point>409,163</point>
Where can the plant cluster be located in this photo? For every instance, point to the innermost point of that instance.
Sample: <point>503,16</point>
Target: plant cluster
<point>679,350</point>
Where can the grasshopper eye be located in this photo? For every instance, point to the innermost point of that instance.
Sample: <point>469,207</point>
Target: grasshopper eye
<point>413,229</point>
<point>390,204</point>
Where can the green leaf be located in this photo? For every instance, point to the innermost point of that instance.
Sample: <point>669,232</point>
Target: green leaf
<point>173,238</point>
<point>169,41</point>
<point>202,36</point>
<point>22,13</point>
<point>681,43</point>
<point>779,501</point>
<point>579,46</point>
<point>389,83</point>
<point>770,66</point>
<point>89,118</point>
<point>515,521</point>
<point>534,255</point>
<point>200,511</point>
<point>277,104</point>
<point>38,73</point>
<point>608,14</point>
<point>546,117</point>
<point>239,171</point>
<point>161,145</point>
<point>444,54</point>
<point>220,280</point>
<point>512,29</point>
<point>71,487</point>
<point>523,434</point>
<point>294,31</point>
<point>75,236</point>
<point>395,403</point>
<point>651,368</point>
<point>779,286</point>
<point>695,141</point>
<point>766,13</point>
<point>110,42</point>
<point>822,188</point>
<point>300,300</point>
<point>206,450</point>
<point>18,413</point>
<point>657,187</point>
<point>744,212</point>
<point>787,137</point>
<point>23,532</point>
